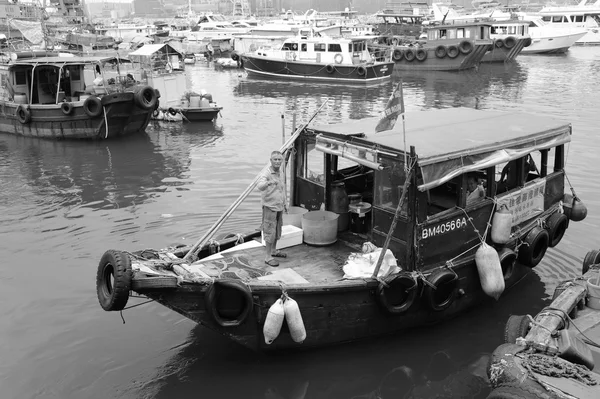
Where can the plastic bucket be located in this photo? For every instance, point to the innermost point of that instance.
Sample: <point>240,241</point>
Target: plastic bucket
<point>593,294</point>
<point>358,217</point>
<point>320,227</point>
<point>294,216</point>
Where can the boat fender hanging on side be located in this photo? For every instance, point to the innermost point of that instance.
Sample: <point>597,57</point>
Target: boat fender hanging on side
<point>361,71</point>
<point>557,225</point>
<point>574,208</point>
<point>397,293</point>
<point>145,97</point>
<point>489,270</point>
<point>23,114</point>
<point>409,55</point>
<point>66,108</point>
<point>113,280</point>
<point>330,68</point>
<point>441,289</point>
<point>421,54</point>
<point>92,106</point>
<point>501,225</point>
<point>510,42</point>
<point>397,54</point>
<point>507,258</point>
<point>293,317</point>
<point>441,51</point>
<point>465,47</point>
<point>274,321</point>
<point>214,299</point>
<point>453,51</point>
<point>499,43</point>
<point>534,246</point>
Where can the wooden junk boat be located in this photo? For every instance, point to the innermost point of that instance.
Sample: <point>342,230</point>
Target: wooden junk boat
<point>412,203</point>
<point>52,96</point>
<point>555,354</point>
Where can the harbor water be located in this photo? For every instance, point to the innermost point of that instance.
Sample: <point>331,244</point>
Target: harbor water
<point>63,203</point>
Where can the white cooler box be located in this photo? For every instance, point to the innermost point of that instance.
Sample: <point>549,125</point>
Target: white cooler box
<point>290,236</point>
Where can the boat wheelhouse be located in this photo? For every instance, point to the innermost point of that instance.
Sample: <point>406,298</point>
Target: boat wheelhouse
<point>452,47</point>
<point>51,96</point>
<point>319,59</point>
<point>402,254</point>
<point>510,38</point>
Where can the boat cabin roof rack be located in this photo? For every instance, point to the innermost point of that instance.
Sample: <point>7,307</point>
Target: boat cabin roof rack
<point>466,139</point>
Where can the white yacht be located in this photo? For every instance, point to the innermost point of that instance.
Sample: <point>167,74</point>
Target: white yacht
<point>585,15</point>
<point>549,39</point>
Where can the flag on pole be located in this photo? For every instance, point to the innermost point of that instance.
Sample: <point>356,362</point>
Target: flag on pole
<point>393,108</point>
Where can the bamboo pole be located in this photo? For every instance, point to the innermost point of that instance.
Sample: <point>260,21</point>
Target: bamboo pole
<point>244,194</point>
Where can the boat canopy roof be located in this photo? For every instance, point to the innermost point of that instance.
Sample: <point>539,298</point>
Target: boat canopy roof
<point>453,141</point>
<point>60,61</point>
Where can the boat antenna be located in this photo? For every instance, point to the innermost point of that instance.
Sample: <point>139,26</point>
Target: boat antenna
<point>445,15</point>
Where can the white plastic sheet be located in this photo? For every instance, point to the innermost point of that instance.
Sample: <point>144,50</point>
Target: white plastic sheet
<point>362,265</point>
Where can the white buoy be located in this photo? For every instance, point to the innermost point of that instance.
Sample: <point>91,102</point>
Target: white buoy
<point>490,271</point>
<point>501,225</point>
<point>273,321</point>
<point>294,320</point>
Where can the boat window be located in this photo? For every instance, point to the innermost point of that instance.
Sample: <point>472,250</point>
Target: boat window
<point>314,164</point>
<point>517,172</point>
<point>443,33</point>
<point>20,77</point>
<point>320,47</point>
<point>452,34</point>
<point>303,47</point>
<point>389,183</point>
<point>443,197</point>
<point>334,47</point>
<point>546,19</point>
<point>557,18</point>
<point>460,33</point>
<point>578,18</point>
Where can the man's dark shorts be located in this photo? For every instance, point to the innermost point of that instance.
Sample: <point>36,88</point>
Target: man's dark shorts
<point>271,225</point>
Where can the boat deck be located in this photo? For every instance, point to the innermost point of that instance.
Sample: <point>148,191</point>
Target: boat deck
<point>304,264</point>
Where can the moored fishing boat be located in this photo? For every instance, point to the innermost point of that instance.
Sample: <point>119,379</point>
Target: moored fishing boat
<point>555,354</point>
<point>319,59</point>
<point>510,38</point>
<point>452,47</point>
<point>52,96</point>
<point>423,263</point>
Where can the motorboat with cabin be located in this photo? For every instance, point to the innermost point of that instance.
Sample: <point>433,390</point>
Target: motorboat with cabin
<point>586,14</point>
<point>383,232</point>
<point>319,59</point>
<point>550,39</point>
<point>52,96</point>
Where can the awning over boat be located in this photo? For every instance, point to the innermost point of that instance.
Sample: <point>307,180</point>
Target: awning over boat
<point>453,141</point>
<point>147,50</point>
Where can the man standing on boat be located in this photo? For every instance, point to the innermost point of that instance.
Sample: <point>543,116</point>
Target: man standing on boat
<point>271,183</point>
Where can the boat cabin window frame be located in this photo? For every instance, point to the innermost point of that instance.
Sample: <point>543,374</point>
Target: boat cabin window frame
<point>320,47</point>
<point>334,48</point>
<point>388,184</point>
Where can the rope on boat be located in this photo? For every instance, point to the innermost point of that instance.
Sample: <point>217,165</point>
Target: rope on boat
<point>133,306</point>
<point>552,367</point>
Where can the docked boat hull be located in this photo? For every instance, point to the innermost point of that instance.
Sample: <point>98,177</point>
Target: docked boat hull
<point>552,45</point>
<point>504,54</point>
<point>432,62</point>
<point>274,68</point>
<point>119,117</point>
<point>201,114</point>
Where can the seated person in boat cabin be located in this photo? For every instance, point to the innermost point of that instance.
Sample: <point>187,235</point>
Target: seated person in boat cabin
<point>475,191</point>
<point>509,177</point>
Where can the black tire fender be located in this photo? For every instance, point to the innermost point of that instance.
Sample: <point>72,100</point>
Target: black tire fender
<point>453,51</point>
<point>221,287</point>
<point>591,258</point>
<point>528,42</point>
<point>92,106</point>
<point>330,68</point>
<point>557,225</point>
<point>442,296</point>
<point>499,43</point>
<point>465,47</point>
<point>235,56</point>
<point>145,97</point>
<point>409,54</point>
<point>23,115</point>
<point>421,54</point>
<point>113,280</point>
<point>517,326</point>
<point>510,42</point>
<point>66,108</point>
<point>441,51</point>
<point>397,55</point>
<point>361,71</point>
<point>534,246</point>
<point>508,259</point>
<point>397,293</point>
<point>172,111</point>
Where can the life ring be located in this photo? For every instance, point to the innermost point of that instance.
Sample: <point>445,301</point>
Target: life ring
<point>516,327</point>
<point>453,51</point>
<point>330,68</point>
<point>465,47</point>
<point>557,226</point>
<point>172,111</point>
<point>421,54</point>
<point>235,56</point>
<point>510,42</point>
<point>409,54</point>
<point>508,259</point>
<point>221,299</point>
<point>591,258</point>
<point>499,43</point>
<point>397,293</point>
<point>528,42</point>
<point>145,97</point>
<point>113,280</point>
<point>338,58</point>
<point>361,71</point>
<point>442,296</point>
<point>441,51</point>
<point>66,108</point>
<point>23,114</point>
<point>92,106</point>
<point>397,54</point>
<point>534,246</point>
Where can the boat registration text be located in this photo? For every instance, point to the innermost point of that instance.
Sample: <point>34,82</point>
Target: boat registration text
<point>444,227</point>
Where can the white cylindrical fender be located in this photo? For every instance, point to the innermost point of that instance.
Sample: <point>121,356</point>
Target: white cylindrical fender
<point>490,271</point>
<point>294,320</point>
<point>273,321</point>
<point>501,225</point>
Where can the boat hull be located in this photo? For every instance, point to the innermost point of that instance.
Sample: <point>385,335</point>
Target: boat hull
<point>317,72</point>
<point>434,63</point>
<point>504,54</point>
<point>120,117</point>
<point>332,314</point>
<point>201,114</point>
<point>553,44</point>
